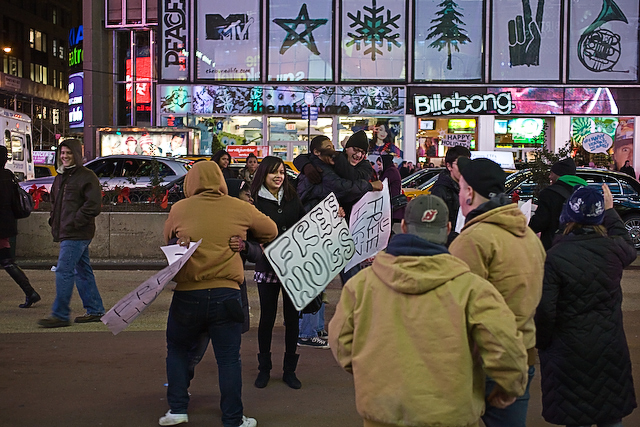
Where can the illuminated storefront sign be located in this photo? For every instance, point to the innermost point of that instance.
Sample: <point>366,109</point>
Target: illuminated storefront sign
<point>174,39</point>
<point>437,104</point>
<point>143,71</point>
<point>76,113</point>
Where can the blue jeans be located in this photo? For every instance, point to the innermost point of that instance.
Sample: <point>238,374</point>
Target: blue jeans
<point>74,265</point>
<point>311,324</point>
<point>211,311</point>
<point>514,415</point>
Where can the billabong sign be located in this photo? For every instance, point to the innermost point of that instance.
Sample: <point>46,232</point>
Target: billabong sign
<point>436,104</point>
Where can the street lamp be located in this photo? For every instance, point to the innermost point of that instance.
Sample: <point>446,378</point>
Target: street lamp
<point>6,49</point>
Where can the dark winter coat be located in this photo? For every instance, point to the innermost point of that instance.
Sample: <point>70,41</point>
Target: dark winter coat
<point>546,219</point>
<point>347,191</point>
<point>76,199</point>
<point>285,215</point>
<point>395,187</point>
<point>584,357</point>
<point>342,167</point>
<point>8,223</point>
<point>448,189</point>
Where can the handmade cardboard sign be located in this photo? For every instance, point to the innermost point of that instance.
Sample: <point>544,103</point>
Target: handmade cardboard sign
<point>312,252</point>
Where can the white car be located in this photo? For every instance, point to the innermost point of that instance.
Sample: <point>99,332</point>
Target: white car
<point>125,171</point>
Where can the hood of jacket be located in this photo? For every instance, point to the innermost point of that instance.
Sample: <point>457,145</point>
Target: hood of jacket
<point>76,148</point>
<point>205,177</point>
<point>508,217</point>
<point>405,273</point>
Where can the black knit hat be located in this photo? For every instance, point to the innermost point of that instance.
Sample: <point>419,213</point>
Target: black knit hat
<point>485,176</point>
<point>358,140</point>
<point>585,206</point>
<point>4,155</point>
<point>564,167</point>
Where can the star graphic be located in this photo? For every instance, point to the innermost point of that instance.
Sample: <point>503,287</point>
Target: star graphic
<point>306,36</point>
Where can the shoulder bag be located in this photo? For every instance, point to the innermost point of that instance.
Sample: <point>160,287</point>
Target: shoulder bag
<point>22,203</point>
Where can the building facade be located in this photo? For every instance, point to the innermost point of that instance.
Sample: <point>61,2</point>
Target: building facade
<point>497,75</point>
<point>34,42</point>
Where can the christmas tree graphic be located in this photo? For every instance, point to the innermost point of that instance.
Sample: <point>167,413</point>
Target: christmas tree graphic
<point>448,29</point>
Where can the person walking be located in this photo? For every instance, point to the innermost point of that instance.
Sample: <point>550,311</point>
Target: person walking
<point>9,229</point>
<point>498,245</point>
<point>418,331</point>
<point>76,198</point>
<point>275,197</point>
<point>546,219</point>
<point>447,185</point>
<point>207,296</point>
<point>584,356</point>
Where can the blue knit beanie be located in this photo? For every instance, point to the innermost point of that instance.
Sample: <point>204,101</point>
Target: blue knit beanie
<point>585,206</point>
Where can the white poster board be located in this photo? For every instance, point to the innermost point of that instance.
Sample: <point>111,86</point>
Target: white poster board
<point>370,224</point>
<point>312,252</point>
<point>125,311</point>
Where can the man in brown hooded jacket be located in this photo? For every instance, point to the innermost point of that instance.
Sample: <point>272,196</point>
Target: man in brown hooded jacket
<point>76,198</point>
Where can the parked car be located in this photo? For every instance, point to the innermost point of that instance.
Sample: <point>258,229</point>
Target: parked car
<point>624,188</point>
<point>124,171</point>
<point>420,177</point>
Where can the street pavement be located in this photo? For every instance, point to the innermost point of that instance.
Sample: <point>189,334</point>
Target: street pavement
<point>84,376</point>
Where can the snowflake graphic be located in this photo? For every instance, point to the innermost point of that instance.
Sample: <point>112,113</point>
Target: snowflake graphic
<point>373,30</point>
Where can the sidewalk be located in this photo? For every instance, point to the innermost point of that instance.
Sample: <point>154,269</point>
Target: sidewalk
<point>84,376</point>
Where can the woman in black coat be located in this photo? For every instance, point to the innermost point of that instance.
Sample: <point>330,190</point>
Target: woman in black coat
<point>274,196</point>
<point>8,229</point>
<point>584,357</point>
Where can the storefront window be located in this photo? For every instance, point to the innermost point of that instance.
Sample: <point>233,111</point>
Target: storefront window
<point>387,132</point>
<point>234,130</point>
<point>286,129</point>
<point>523,132</point>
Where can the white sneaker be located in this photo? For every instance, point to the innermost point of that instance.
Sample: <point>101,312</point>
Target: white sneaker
<point>171,419</point>
<point>248,422</point>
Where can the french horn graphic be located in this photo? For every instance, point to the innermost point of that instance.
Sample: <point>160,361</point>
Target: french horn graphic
<point>599,48</point>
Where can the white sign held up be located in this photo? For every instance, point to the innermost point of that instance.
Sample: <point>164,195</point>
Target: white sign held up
<point>370,224</point>
<point>312,252</point>
<point>125,311</point>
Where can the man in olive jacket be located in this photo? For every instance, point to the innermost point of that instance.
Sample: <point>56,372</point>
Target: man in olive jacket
<point>76,198</point>
<point>418,331</point>
<point>498,246</point>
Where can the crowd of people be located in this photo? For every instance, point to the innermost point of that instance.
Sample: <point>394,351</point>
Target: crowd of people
<point>443,328</point>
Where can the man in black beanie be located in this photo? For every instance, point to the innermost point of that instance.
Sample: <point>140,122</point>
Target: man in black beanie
<point>351,163</point>
<point>497,245</point>
<point>546,219</point>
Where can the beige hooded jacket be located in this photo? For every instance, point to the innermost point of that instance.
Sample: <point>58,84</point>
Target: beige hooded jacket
<point>208,213</point>
<point>416,331</point>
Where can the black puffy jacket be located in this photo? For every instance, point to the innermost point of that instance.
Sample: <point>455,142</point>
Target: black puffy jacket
<point>584,357</point>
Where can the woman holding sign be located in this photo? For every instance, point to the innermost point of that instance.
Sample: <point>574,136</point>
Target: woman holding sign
<point>276,198</point>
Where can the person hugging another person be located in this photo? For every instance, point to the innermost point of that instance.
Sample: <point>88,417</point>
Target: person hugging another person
<point>275,197</point>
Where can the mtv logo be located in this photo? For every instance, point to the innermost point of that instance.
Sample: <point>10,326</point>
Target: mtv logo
<point>234,27</point>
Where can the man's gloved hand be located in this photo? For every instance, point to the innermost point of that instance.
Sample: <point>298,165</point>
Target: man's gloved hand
<point>313,174</point>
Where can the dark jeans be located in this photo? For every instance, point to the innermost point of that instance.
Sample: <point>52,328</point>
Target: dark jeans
<point>269,293</point>
<point>514,415</point>
<point>191,314</point>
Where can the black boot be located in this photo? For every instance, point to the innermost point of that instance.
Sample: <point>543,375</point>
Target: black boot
<point>264,366</point>
<point>289,368</point>
<point>21,279</point>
